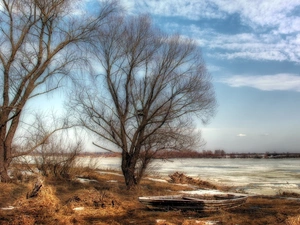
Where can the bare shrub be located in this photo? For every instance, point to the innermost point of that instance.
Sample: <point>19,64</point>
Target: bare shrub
<point>180,178</point>
<point>57,158</point>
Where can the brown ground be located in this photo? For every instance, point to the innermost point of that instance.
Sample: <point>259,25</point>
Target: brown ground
<point>108,202</point>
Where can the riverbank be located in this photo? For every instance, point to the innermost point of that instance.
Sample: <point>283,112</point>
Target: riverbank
<point>252,176</point>
<point>99,197</point>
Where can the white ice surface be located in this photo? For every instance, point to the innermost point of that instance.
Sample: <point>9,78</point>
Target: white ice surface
<point>253,176</point>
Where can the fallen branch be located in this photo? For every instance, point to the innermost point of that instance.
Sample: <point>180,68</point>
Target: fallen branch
<point>35,190</point>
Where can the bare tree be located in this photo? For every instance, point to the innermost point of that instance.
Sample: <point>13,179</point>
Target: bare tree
<point>144,99</point>
<point>40,42</point>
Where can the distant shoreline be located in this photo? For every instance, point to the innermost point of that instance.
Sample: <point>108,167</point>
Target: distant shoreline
<point>201,156</point>
<point>194,154</point>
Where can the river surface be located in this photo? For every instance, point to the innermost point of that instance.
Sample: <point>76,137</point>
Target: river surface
<point>253,176</point>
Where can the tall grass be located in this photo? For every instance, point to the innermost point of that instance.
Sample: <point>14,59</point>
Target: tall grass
<point>293,220</point>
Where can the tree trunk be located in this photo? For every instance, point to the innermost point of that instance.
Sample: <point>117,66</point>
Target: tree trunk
<point>8,128</point>
<point>128,169</point>
<point>5,155</point>
<point>130,179</point>
<point>4,164</point>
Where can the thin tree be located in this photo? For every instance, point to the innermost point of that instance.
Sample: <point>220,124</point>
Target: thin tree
<point>40,42</point>
<point>149,88</point>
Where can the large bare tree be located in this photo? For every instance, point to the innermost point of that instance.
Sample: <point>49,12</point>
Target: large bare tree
<point>40,42</point>
<point>149,88</point>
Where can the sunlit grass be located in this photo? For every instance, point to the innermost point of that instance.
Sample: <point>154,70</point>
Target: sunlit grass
<point>105,200</point>
<point>294,220</point>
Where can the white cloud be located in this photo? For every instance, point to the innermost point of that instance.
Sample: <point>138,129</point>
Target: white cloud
<point>281,82</point>
<point>213,68</point>
<point>270,19</point>
<point>269,13</point>
<point>191,9</point>
<point>265,46</point>
<point>255,13</point>
<point>276,16</point>
<point>289,25</point>
<point>258,55</point>
<point>241,135</point>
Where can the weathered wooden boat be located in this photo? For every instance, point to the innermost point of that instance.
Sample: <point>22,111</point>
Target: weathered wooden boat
<point>207,203</point>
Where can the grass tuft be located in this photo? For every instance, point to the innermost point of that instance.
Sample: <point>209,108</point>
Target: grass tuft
<point>293,220</point>
<point>103,199</point>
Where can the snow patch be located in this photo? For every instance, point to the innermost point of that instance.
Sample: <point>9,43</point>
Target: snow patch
<point>158,180</point>
<point>85,180</point>
<point>8,208</point>
<point>202,192</point>
<point>78,208</point>
<point>112,181</point>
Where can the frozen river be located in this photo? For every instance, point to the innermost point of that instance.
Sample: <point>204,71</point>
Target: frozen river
<point>253,176</point>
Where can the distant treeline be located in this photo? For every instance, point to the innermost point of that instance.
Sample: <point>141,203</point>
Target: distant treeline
<point>204,154</point>
<point>223,154</point>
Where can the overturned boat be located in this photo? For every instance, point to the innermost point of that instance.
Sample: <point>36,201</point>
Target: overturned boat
<point>207,203</point>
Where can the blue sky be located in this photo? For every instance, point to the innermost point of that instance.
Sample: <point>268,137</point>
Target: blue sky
<point>252,50</point>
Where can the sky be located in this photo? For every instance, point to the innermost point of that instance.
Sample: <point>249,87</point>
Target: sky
<point>252,50</point>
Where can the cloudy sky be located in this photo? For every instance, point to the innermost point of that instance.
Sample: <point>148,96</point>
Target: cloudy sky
<point>252,50</point>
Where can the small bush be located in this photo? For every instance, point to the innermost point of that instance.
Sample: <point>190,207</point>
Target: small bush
<point>57,159</point>
<point>180,178</point>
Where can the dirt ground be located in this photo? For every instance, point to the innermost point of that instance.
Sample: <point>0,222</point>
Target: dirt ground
<point>104,200</point>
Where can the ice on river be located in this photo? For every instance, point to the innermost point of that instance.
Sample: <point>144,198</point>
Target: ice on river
<point>253,176</point>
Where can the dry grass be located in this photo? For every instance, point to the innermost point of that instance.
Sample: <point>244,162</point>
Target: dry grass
<point>106,201</point>
<point>180,178</point>
<point>293,220</point>
<point>11,192</point>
